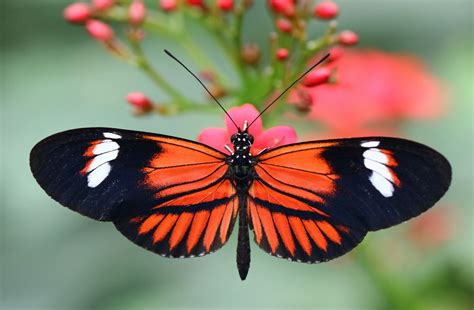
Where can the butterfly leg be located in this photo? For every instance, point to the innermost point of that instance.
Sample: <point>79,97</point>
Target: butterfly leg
<point>243,245</point>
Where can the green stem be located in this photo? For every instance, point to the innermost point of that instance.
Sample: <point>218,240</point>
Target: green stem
<point>202,59</point>
<point>142,63</point>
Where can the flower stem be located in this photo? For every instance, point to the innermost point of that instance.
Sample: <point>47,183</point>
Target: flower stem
<point>142,63</point>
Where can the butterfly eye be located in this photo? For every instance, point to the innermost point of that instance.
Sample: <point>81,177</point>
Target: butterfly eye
<point>250,138</point>
<point>233,138</point>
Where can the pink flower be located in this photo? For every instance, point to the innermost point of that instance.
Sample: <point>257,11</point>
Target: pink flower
<point>137,12</point>
<point>284,25</point>
<point>286,7</point>
<point>139,100</point>
<point>374,88</point>
<point>348,38</point>
<point>168,5</point>
<point>335,52</point>
<point>196,3</point>
<point>77,13</point>
<point>282,54</point>
<point>225,5</point>
<point>99,30</point>
<point>270,138</point>
<point>102,5</point>
<point>317,77</point>
<point>326,10</point>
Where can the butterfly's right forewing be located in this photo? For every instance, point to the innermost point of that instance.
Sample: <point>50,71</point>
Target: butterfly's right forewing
<point>315,201</point>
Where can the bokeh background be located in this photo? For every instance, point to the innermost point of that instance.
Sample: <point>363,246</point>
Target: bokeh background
<point>55,78</point>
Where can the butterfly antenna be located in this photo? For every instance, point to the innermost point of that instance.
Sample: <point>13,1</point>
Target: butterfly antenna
<point>200,82</point>
<point>291,85</point>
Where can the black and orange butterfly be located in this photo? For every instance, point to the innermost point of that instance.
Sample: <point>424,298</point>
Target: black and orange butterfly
<point>307,202</point>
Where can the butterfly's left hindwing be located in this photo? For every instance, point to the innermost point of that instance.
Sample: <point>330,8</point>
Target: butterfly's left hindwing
<point>166,194</point>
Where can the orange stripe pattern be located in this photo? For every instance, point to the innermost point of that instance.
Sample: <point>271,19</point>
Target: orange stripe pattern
<point>285,233</point>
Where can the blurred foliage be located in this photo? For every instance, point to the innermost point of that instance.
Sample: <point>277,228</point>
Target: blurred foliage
<point>54,78</point>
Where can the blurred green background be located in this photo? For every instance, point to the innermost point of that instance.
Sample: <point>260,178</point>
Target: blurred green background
<point>54,77</point>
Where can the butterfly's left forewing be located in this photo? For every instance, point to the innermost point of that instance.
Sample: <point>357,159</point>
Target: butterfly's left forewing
<point>166,194</point>
<point>315,201</point>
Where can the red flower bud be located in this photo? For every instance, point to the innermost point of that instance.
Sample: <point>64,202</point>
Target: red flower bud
<point>102,5</point>
<point>284,25</point>
<point>139,100</point>
<point>99,30</point>
<point>286,7</point>
<point>348,38</point>
<point>197,3</point>
<point>282,54</point>
<point>335,53</point>
<point>326,10</point>
<point>168,5</point>
<point>77,13</point>
<point>317,77</point>
<point>225,5</point>
<point>137,12</point>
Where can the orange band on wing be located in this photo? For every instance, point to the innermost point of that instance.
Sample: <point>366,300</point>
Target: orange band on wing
<point>267,224</point>
<point>197,227</point>
<point>329,231</point>
<point>300,233</point>
<point>229,211</point>
<point>219,191</point>
<point>281,223</point>
<point>263,192</point>
<point>294,149</point>
<point>214,223</point>
<point>180,182</point>
<point>163,229</point>
<point>150,223</point>
<point>180,151</point>
<point>165,177</point>
<point>316,234</point>
<point>180,229</point>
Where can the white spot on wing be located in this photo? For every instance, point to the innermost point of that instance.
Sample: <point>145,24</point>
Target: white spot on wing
<point>381,177</point>
<point>112,135</point>
<point>98,175</point>
<point>370,144</point>
<point>105,147</point>
<point>376,155</point>
<point>381,184</point>
<point>101,159</point>
<point>379,168</point>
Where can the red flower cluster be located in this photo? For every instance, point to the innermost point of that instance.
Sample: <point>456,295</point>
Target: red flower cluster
<point>372,87</point>
<point>83,13</point>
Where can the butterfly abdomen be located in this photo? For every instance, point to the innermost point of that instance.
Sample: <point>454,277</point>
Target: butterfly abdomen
<point>243,245</point>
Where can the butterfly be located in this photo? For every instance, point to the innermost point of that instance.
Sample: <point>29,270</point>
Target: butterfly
<point>307,202</point>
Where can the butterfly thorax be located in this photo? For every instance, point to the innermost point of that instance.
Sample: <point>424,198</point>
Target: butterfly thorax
<point>241,161</point>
